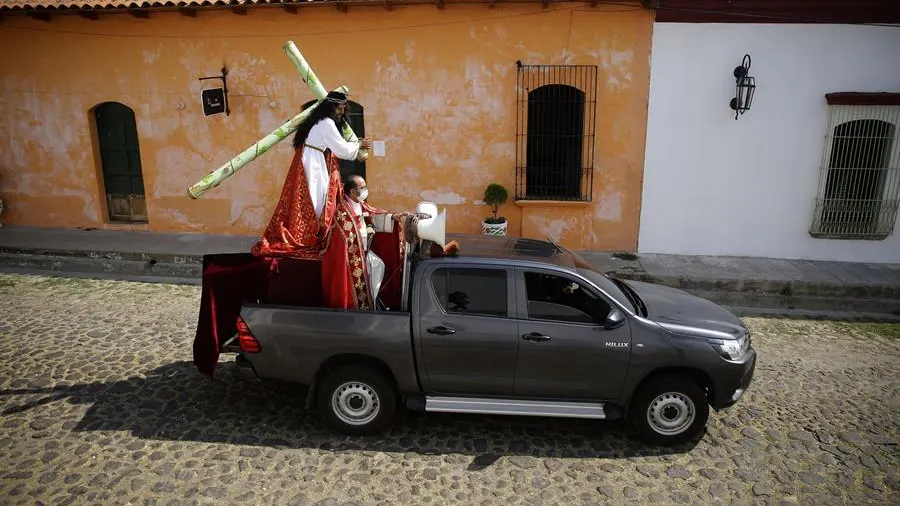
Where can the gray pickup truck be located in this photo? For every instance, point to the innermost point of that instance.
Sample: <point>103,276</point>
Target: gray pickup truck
<point>509,326</point>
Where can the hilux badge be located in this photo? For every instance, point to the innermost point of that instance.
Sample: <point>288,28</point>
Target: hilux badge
<point>612,344</point>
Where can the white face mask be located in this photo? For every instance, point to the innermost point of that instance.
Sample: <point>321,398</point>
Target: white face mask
<point>363,194</point>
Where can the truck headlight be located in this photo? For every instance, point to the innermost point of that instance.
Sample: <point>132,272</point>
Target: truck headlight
<point>731,349</point>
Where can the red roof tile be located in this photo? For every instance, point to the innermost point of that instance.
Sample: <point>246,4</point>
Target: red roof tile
<point>131,4</point>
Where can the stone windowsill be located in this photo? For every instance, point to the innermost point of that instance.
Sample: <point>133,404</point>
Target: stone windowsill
<point>552,203</point>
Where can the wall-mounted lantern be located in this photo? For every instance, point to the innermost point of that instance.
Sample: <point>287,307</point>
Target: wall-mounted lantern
<point>744,87</point>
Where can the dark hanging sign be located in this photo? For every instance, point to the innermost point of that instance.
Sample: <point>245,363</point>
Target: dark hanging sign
<point>215,100</point>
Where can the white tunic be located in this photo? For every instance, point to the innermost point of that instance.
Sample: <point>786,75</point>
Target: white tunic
<point>324,135</point>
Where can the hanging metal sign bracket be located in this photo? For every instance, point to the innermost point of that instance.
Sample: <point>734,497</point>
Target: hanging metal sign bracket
<point>215,100</point>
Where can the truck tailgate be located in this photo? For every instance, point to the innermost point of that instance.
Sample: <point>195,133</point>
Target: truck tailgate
<point>295,342</point>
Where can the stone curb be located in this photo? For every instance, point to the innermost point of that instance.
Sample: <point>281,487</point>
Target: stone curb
<point>784,288</point>
<point>156,279</point>
<point>99,254</point>
<point>741,311</point>
<point>848,316</point>
<point>102,264</point>
<point>804,303</point>
<point>770,294</point>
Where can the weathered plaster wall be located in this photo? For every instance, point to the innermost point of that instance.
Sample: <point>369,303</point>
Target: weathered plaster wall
<point>438,86</point>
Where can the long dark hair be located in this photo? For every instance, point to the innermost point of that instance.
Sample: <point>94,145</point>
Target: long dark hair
<point>322,110</point>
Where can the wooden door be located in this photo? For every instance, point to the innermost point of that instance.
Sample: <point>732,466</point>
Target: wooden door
<point>120,159</point>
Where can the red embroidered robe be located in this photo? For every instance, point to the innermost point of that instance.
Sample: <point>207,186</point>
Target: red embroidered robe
<point>293,230</point>
<point>345,276</point>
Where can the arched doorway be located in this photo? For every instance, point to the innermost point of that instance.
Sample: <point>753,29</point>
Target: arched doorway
<point>120,159</point>
<point>355,117</point>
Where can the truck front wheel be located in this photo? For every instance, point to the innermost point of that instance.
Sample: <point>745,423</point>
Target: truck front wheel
<point>669,410</point>
<point>356,401</point>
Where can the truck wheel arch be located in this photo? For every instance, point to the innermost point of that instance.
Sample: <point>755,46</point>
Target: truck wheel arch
<point>345,359</point>
<point>701,377</point>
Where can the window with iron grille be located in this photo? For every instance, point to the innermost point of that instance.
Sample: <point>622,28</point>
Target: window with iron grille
<point>556,106</point>
<point>859,178</point>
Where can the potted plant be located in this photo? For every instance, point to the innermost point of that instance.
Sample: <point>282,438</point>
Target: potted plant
<point>495,195</point>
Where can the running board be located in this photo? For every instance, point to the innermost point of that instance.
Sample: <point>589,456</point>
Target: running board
<point>514,407</point>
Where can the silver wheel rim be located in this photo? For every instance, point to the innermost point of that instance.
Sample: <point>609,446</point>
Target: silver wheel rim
<point>355,403</point>
<point>671,413</point>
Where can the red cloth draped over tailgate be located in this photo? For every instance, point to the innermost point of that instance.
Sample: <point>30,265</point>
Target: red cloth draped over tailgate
<point>231,280</point>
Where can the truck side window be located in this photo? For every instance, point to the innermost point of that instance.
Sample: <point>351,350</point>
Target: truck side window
<point>556,298</point>
<point>471,291</point>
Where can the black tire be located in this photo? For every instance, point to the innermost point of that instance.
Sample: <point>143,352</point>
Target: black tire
<point>363,387</point>
<point>669,410</point>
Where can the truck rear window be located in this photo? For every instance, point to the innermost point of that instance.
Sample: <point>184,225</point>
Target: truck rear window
<point>471,291</point>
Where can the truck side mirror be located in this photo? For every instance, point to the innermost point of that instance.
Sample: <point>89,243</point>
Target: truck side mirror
<point>614,320</point>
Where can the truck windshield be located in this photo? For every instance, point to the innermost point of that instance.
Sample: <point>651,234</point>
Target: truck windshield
<point>609,286</point>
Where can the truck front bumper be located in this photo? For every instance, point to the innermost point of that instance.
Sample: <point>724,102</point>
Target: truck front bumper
<point>734,381</point>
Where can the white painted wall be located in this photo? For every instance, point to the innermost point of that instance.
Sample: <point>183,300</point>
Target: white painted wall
<point>716,186</point>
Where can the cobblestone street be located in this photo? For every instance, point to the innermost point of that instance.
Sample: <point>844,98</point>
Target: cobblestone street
<point>101,404</point>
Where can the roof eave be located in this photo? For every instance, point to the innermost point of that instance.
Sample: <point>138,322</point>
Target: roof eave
<point>167,6</point>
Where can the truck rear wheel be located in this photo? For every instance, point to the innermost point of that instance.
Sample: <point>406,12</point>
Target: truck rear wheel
<point>356,401</point>
<point>669,410</point>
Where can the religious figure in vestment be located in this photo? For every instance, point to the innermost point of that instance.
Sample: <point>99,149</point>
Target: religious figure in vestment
<point>309,199</point>
<point>363,240</point>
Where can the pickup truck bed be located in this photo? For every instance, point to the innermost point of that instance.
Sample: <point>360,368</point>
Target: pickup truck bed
<point>300,342</point>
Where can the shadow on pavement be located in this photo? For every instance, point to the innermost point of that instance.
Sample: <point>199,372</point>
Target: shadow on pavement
<point>176,403</point>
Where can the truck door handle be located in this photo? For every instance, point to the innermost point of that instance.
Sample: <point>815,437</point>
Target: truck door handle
<point>534,336</point>
<point>441,330</point>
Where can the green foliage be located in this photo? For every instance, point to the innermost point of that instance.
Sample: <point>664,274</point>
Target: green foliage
<point>495,195</point>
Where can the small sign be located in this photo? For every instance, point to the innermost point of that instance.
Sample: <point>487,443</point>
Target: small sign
<point>213,101</point>
<point>378,148</point>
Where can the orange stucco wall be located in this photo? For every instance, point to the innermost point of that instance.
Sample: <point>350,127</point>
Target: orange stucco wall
<point>438,86</point>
